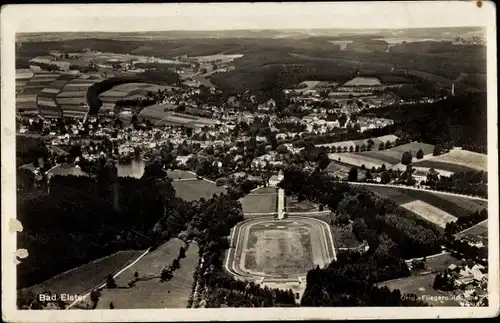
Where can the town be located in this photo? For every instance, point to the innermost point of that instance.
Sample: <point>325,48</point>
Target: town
<point>201,179</point>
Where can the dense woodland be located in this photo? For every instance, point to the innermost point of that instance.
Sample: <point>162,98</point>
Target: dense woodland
<point>460,120</point>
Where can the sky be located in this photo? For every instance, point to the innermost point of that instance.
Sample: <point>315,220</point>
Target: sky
<point>237,16</point>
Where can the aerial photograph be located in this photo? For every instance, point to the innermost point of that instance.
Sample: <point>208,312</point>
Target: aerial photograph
<point>252,168</point>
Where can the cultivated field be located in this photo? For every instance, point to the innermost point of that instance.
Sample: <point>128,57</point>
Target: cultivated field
<point>195,189</point>
<point>420,286</point>
<point>279,249</point>
<point>457,160</point>
<point>434,207</point>
<point>83,279</point>
<point>429,212</point>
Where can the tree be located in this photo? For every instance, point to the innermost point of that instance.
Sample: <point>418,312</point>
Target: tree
<point>386,177</point>
<point>368,175</point>
<point>110,282</point>
<point>136,274</point>
<point>111,305</point>
<point>406,158</point>
<point>176,264</point>
<point>36,164</point>
<point>353,174</point>
<point>438,150</point>
<point>420,154</point>
<point>381,146</point>
<point>182,252</point>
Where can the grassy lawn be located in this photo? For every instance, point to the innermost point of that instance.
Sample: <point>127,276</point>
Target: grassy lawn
<point>259,203</point>
<point>150,292</point>
<point>194,190</point>
<point>179,174</point>
<point>420,286</point>
<point>83,279</point>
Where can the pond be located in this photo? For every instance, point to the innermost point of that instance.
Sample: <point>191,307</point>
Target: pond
<point>134,168</point>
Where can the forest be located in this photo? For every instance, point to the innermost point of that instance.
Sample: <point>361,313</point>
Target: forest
<point>460,120</point>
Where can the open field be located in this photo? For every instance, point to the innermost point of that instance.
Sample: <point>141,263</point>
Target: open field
<point>83,279</point>
<point>357,160</point>
<point>479,231</point>
<point>420,286</point>
<point>439,206</point>
<point>179,174</point>
<point>259,203</point>
<point>279,249</point>
<point>149,292</point>
<point>429,212</point>
<point>195,189</point>
<point>457,160</point>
